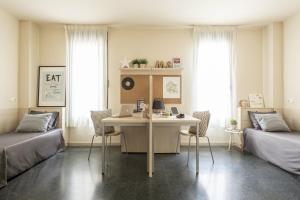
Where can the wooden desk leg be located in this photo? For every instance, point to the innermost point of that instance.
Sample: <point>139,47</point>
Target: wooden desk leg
<point>103,149</point>
<point>150,152</point>
<point>197,149</point>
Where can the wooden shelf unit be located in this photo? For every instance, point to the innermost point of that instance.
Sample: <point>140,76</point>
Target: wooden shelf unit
<point>147,71</point>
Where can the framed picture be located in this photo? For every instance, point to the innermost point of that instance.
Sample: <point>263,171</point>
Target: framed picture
<point>172,87</point>
<point>52,86</point>
<point>256,101</point>
<point>176,62</point>
<point>140,103</point>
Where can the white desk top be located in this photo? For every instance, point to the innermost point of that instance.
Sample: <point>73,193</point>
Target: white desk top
<point>155,119</point>
<point>173,119</point>
<point>126,120</point>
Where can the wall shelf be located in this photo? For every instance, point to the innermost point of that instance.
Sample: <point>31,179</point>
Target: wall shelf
<point>147,71</point>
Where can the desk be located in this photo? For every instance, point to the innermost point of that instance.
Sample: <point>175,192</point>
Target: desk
<point>156,121</point>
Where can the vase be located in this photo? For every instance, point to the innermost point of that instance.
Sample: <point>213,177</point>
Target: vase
<point>233,127</point>
<point>135,65</point>
<point>143,65</point>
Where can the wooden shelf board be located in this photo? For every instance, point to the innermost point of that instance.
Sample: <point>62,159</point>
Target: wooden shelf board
<point>147,71</point>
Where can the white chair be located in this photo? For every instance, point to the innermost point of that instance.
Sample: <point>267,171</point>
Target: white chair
<point>204,121</point>
<point>109,131</point>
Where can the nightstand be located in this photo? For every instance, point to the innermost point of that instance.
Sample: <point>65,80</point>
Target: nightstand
<point>231,133</point>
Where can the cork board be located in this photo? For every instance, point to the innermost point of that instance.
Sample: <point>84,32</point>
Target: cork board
<point>141,89</point>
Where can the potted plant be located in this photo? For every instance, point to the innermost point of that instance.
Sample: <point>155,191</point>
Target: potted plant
<point>135,63</point>
<point>143,63</point>
<point>233,123</point>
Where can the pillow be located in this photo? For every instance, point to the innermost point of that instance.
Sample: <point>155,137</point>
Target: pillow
<point>53,121</point>
<point>34,123</point>
<point>272,122</point>
<point>253,120</point>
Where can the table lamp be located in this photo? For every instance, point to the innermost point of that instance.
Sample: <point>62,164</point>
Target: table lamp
<point>158,105</point>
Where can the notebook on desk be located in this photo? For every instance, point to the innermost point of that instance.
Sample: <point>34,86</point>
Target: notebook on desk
<point>126,111</point>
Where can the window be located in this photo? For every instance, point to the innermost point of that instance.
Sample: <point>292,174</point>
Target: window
<point>212,72</point>
<point>87,72</point>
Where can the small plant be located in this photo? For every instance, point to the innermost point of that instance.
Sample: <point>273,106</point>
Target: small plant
<point>233,122</point>
<point>135,61</point>
<point>143,61</point>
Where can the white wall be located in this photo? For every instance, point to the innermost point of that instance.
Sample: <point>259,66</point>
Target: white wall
<point>28,65</point>
<point>273,65</point>
<point>8,71</point>
<point>291,71</point>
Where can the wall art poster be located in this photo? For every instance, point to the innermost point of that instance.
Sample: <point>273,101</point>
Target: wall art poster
<point>52,86</point>
<point>171,88</point>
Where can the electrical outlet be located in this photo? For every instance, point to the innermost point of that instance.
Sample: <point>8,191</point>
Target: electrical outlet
<point>290,100</point>
<point>12,99</point>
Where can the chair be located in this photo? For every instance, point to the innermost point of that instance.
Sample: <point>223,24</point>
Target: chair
<point>109,131</point>
<point>204,121</point>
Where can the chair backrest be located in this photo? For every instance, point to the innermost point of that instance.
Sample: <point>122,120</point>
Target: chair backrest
<point>204,117</point>
<point>97,117</point>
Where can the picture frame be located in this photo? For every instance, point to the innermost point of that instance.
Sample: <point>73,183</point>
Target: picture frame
<point>176,62</point>
<point>172,87</point>
<point>140,104</point>
<point>256,101</point>
<point>52,86</point>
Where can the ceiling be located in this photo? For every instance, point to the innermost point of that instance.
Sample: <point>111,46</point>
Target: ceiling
<point>152,12</point>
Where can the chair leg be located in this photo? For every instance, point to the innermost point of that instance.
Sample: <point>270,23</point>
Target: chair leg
<point>189,151</point>
<point>178,140</point>
<point>125,143</point>
<point>212,157</point>
<point>106,147</point>
<point>91,147</point>
<point>109,147</point>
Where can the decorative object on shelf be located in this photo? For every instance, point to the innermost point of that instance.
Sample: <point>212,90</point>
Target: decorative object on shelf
<point>127,83</point>
<point>171,87</point>
<point>140,103</point>
<point>161,64</point>
<point>135,63</point>
<point>233,124</point>
<point>158,105</point>
<point>156,64</point>
<point>143,63</point>
<point>125,63</point>
<point>52,86</point>
<point>244,103</point>
<point>256,101</point>
<point>176,62</point>
<point>169,64</point>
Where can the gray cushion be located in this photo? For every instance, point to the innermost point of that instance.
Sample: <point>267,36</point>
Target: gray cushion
<point>272,122</point>
<point>253,120</point>
<point>34,123</point>
<point>53,121</point>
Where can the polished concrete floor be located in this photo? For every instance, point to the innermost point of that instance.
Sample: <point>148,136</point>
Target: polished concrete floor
<point>69,176</point>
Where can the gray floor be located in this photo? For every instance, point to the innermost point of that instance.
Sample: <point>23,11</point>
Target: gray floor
<point>69,176</point>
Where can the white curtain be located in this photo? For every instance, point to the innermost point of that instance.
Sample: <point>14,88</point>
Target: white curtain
<point>213,73</point>
<point>87,66</point>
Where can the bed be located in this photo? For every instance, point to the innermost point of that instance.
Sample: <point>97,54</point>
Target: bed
<point>21,151</point>
<point>279,148</point>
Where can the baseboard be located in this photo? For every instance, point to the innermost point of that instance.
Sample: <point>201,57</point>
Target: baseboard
<point>85,144</point>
